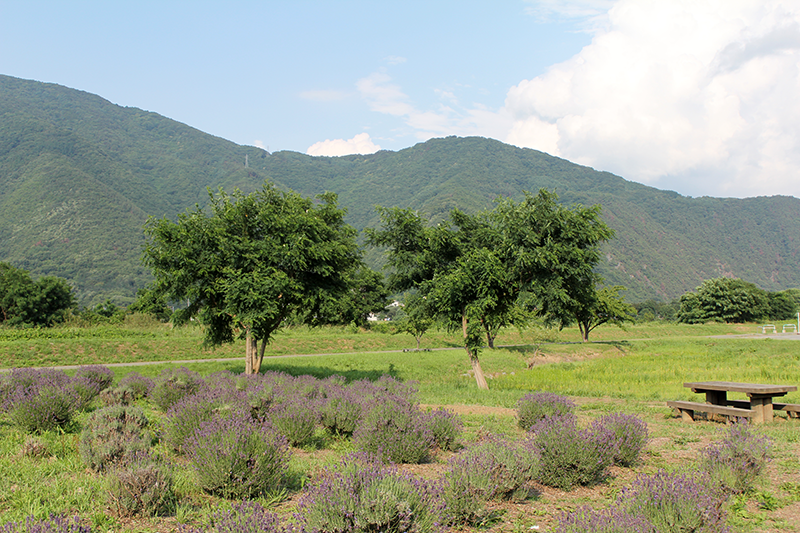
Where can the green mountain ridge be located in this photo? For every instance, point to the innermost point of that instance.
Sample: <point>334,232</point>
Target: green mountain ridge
<point>79,176</point>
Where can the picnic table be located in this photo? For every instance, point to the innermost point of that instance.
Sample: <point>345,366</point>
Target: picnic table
<point>758,408</point>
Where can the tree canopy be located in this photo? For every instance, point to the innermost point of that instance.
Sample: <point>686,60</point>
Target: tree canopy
<point>734,300</point>
<point>471,269</point>
<point>253,261</point>
<point>25,302</point>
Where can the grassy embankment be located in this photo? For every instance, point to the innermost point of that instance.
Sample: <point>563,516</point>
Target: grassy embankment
<point>631,371</point>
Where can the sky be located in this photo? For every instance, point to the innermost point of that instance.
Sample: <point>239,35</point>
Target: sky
<point>701,97</point>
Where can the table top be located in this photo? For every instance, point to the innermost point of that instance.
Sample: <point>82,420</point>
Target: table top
<point>752,388</point>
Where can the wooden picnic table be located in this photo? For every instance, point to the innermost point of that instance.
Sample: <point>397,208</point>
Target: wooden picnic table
<point>760,397</point>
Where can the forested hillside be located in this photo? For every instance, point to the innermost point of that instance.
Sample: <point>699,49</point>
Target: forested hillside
<point>79,176</point>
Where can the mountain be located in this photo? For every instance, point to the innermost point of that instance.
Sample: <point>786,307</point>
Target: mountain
<point>79,176</point>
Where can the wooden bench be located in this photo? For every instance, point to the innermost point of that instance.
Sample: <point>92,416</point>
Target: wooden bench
<point>792,410</point>
<point>687,410</point>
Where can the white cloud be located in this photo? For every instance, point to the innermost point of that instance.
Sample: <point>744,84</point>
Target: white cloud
<point>360,144</point>
<point>259,144</point>
<point>697,93</point>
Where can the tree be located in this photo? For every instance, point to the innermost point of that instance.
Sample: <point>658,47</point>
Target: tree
<point>252,262</point>
<point>366,294</point>
<point>607,307</point>
<point>471,269</point>
<point>25,302</point>
<point>416,319</point>
<point>150,301</point>
<point>726,300</point>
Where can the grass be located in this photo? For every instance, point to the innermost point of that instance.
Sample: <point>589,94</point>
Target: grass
<point>632,371</point>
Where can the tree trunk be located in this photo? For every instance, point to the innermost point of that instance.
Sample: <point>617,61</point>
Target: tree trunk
<point>250,350</point>
<point>584,331</point>
<point>260,358</point>
<point>473,357</point>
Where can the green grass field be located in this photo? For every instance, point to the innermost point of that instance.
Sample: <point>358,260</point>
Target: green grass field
<point>633,371</point>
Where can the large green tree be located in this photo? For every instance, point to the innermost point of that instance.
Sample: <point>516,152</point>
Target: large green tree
<point>726,300</point>
<point>471,269</point>
<point>25,302</point>
<point>251,262</point>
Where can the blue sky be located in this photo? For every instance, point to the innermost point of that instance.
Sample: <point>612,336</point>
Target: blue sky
<point>697,96</point>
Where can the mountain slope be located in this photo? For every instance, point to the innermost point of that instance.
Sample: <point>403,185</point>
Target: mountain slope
<point>79,176</point>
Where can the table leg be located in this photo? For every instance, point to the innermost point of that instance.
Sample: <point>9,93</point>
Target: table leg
<point>762,408</point>
<point>717,397</point>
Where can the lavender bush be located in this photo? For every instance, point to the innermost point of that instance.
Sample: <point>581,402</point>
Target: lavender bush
<point>138,385</point>
<point>40,408</point>
<point>737,460</point>
<point>626,434</point>
<point>100,375</point>
<point>362,495</point>
<point>141,487</point>
<point>244,517</point>
<point>674,503</point>
<point>569,455</point>
<point>584,520</point>
<point>54,524</point>
<point>491,469</point>
<point>235,457</point>
<point>173,384</point>
<point>446,428</point>
<point>396,432</point>
<point>340,410</point>
<point>295,418</point>
<point>190,412</point>
<point>534,407</point>
<point>113,435</point>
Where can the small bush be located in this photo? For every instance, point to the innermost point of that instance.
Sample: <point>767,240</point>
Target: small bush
<point>139,386</point>
<point>295,418</point>
<point>116,396</point>
<point>362,495</point>
<point>396,432</point>
<point>188,413</point>
<point>737,460</point>
<point>491,469</point>
<point>584,520</point>
<point>341,410</point>
<point>626,435</point>
<point>54,524</point>
<point>141,487</point>
<point>446,428</point>
<point>38,409</point>
<point>674,503</point>
<point>236,457</point>
<point>569,455</point>
<point>244,517</point>
<point>34,447</point>
<point>173,384</point>
<point>537,406</point>
<point>112,435</point>
<point>85,390</point>
<point>100,375</point>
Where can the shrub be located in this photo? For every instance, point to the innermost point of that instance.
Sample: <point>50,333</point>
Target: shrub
<point>569,455</point>
<point>141,487</point>
<point>674,503</point>
<point>113,434</point>
<point>446,428</point>
<point>626,434</point>
<point>537,406</point>
<point>173,384</point>
<point>584,520</point>
<point>396,432</point>
<point>54,524</point>
<point>736,461</point>
<point>341,410</point>
<point>491,469</point>
<point>139,386</point>
<point>85,390</point>
<point>361,495</point>
<point>294,418</point>
<point>244,517</point>
<point>236,457</point>
<point>100,375</point>
<point>188,413</point>
<point>38,409</point>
